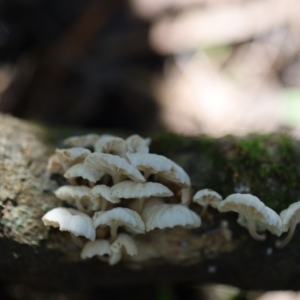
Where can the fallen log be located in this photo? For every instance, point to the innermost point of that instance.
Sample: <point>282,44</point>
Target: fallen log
<point>220,251</point>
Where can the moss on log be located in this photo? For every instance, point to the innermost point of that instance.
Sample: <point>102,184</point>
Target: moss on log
<point>220,251</point>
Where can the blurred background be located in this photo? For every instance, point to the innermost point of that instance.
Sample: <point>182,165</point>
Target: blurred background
<point>193,67</point>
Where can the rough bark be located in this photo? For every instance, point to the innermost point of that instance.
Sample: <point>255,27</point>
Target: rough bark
<point>219,251</point>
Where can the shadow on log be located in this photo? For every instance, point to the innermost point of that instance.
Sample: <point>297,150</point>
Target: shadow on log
<point>220,251</point>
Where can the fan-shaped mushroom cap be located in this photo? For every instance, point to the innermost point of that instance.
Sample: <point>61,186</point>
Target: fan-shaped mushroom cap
<point>102,193</point>
<point>123,241</point>
<point>72,220</point>
<point>135,143</point>
<point>97,247</point>
<point>207,197</point>
<point>111,144</point>
<point>88,140</point>
<point>255,212</point>
<point>157,214</point>
<point>81,170</point>
<point>160,165</point>
<point>130,189</point>
<point>119,216</point>
<point>113,165</point>
<point>63,159</point>
<point>77,194</point>
<point>290,218</point>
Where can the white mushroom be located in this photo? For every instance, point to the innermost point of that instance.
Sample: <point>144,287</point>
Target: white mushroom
<point>122,242</point>
<point>119,216</point>
<point>157,214</point>
<point>78,194</point>
<point>115,166</point>
<point>256,214</point>
<point>102,195</point>
<point>82,170</point>
<point>111,144</point>
<point>63,159</point>
<point>130,189</point>
<point>72,220</point>
<point>290,218</point>
<point>86,141</point>
<point>97,247</point>
<point>135,143</point>
<point>207,197</point>
<point>164,168</point>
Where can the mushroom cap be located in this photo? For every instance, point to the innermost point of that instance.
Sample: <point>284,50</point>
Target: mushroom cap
<point>290,215</point>
<point>97,247</point>
<point>251,208</point>
<point>160,165</point>
<point>123,241</point>
<point>81,170</point>
<point>63,159</point>
<point>112,165</point>
<point>70,193</point>
<point>120,216</point>
<point>104,192</point>
<point>111,144</point>
<point>157,214</point>
<point>72,220</point>
<point>130,189</point>
<point>207,197</point>
<point>135,143</point>
<point>88,140</point>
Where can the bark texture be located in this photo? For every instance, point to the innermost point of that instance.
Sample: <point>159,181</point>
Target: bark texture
<point>219,251</point>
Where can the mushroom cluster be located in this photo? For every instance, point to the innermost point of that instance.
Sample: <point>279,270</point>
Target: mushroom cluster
<point>117,189</point>
<point>253,214</point>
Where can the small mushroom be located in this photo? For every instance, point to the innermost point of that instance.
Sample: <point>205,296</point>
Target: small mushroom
<point>72,220</point>
<point>157,214</point>
<point>63,159</point>
<point>130,189</point>
<point>82,170</point>
<point>77,194</point>
<point>102,195</point>
<point>111,144</point>
<point>290,218</point>
<point>254,212</point>
<point>97,247</point>
<point>115,166</point>
<point>207,197</point>
<point>117,217</point>
<point>86,141</point>
<point>122,242</point>
<point>135,144</point>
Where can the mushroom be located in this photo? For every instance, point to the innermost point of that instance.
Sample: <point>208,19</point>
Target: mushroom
<point>256,215</point>
<point>207,197</point>
<point>135,143</point>
<point>130,189</point>
<point>63,159</point>
<point>111,144</point>
<point>119,216</point>
<point>122,242</point>
<point>97,247</point>
<point>115,166</point>
<point>72,220</point>
<point>157,214</point>
<point>77,194</point>
<point>82,170</point>
<point>164,168</point>
<point>290,218</point>
<point>86,141</point>
<point>102,195</point>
